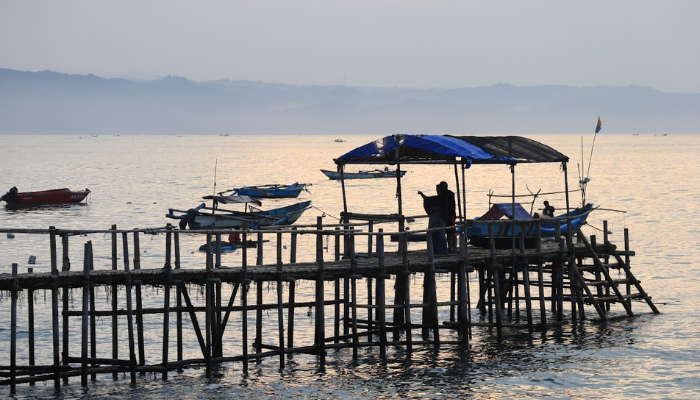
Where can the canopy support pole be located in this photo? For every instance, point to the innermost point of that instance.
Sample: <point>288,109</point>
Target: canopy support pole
<point>341,168</point>
<point>566,184</point>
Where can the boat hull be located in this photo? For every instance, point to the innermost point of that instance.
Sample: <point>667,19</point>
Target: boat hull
<point>226,219</point>
<point>44,197</point>
<point>271,191</point>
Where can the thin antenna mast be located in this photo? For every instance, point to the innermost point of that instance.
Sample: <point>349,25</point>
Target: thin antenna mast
<point>216,163</point>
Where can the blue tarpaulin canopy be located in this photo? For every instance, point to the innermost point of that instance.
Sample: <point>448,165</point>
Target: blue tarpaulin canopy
<point>469,149</point>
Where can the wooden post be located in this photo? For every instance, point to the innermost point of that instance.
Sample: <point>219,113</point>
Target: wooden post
<point>628,277</point>
<point>463,309</point>
<point>293,245</point>
<point>427,306</point>
<point>540,274</point>
<point>139,304</point>
<point>320,324</point>
<point>244,304</point>
<point>406,281</point>
<point>559,268</point>
<point>290,314</point>
<point>129,310</point>
<point>166,302</point>
<point>115,303</point>
<point>87,260</point>
<point>30,323</point>
<point>13,333</point>
<point>280,300</point>
<point>336,320</point>
<point>54,309</point>
<point>606,240</point>
<point>93,324</point>
<point>526,282</point>
<point>495,278</point>
<point>381,295</point>
<point>66,300</point>
<point>178,298</point>
<point>353,291</point>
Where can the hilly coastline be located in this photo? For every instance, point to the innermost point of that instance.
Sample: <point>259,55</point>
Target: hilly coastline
<point>54,103</point>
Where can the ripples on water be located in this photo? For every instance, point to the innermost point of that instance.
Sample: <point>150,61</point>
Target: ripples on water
<point>135,179</point>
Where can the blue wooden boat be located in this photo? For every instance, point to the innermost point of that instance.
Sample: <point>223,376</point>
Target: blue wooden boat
<point>504,231</point>
<point>203,217</point>
<point>272,191</point>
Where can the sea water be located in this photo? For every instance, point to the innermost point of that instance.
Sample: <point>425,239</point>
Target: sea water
<point>645,183</point>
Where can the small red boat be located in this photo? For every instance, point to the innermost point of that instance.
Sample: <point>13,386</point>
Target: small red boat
<point>15,198</point>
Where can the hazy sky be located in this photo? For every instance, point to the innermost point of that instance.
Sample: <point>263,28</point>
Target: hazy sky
<point>404,43</point>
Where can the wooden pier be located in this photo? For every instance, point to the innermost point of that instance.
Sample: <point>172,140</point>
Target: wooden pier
<point>221,313</point>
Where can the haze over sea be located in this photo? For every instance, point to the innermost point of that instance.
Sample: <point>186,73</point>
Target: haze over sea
<point>135,179</point>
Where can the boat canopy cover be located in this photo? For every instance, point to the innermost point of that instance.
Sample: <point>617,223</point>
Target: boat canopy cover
<point>471,149</point>
<point>500,210</point>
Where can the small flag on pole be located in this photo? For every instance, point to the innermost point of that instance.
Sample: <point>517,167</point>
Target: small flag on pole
<point>597,128</point>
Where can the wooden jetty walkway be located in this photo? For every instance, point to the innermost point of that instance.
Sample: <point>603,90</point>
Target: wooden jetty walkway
<point>367,295</point>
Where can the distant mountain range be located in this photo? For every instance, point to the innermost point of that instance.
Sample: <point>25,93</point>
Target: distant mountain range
<point>53,103</point>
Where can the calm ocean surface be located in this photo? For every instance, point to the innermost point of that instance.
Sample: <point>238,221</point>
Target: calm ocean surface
<point>135,179</point>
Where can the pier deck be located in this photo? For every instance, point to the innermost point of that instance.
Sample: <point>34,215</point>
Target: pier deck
<point>519,288</point>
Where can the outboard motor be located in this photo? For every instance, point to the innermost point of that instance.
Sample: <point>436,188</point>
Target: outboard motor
<point>11,195</point>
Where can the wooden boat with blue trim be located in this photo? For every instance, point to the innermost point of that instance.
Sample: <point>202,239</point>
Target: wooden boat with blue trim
<point>505,230</point>
<point>203,217</point>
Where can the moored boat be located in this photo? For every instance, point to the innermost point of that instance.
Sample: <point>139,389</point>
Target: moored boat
<point>377,173</point>
<point>203,217</point>
<point>272,191</point>
<point>478,231</point>
<point>15,198</point>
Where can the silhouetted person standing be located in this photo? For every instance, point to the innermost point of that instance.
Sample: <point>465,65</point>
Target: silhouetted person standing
<point>432,206</point>
<point>449,214</point>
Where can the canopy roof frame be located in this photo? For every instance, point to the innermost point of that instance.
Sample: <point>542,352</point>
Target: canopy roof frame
<point>457,150</point>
